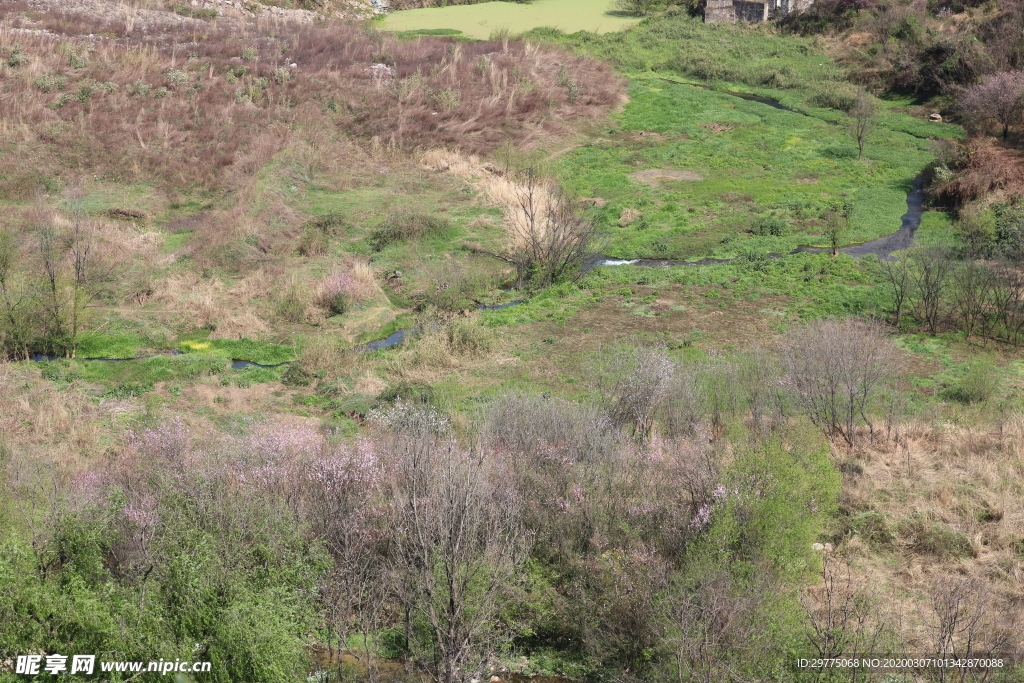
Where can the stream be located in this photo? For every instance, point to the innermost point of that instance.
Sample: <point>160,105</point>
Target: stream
<point>883,247</point>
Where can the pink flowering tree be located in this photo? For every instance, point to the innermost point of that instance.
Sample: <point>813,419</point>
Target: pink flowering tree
<point>999,98</point>
<point>336,291</point>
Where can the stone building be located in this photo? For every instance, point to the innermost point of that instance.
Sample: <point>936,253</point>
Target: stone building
<point>746,10</point>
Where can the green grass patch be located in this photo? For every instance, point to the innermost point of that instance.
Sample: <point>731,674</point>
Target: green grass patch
<point>242,349</point>
<point>133,378</point>
<point>109,345</point>
<point>813,286</point>
<point>717,163</point>
<point>253,375</point>
<point>401,322</point>
<point>176,241</point>
<point>936,230</point>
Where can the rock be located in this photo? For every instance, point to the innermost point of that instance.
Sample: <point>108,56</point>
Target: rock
<point>936,118</point>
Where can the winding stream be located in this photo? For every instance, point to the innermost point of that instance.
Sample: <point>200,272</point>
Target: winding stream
<point>883,247</point>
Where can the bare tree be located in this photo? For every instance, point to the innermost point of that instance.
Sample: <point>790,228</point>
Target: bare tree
<point>457,543</point>
<point>966,623</point>
<point>16,326</point>
<point>999,98</point>
<point>837,367</point>
<point>1008,301</point>
<point>843,619</point>
<point>711,621</point>
<point>930,272</point>
<point>683,410</point>
<point>71,279</point>
<point>975,286</point>
<point>339,493</point>
<point>551,238</point>
<point>896,276</point>
<point>863,119</point>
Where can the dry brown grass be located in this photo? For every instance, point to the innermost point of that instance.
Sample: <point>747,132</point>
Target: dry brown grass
<point>456,345</point>
<point>326,355</point>
<point>503,190</point>
<point>190,111</point>
<point>965,481</point>
<point>36,413</point>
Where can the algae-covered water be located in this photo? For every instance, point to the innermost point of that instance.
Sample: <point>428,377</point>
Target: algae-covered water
<point>478,21</point>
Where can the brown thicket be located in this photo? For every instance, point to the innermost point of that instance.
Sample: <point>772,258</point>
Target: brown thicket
<point>189,107</point>
<point>988,166</point>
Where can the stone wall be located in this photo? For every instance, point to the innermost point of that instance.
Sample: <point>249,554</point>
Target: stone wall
<point>719,10</point>
<point>753,12</point>
<point>748,10</point>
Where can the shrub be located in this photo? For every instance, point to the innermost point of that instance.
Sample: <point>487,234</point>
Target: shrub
<point>16,57</point>
<point>640,8</point>
<point>177,77</point>
<point>765,226</point>
<point>295,376</point>
<point>872,527</point>
<point>291,305</point>
<point>317,233</point>
<point>408,392</point>
<point>335,292</point>
<point>936,539</point>
<point>837,368</point>
<point>468,338</point>
<point>313,243</point>
<point>50,82</point>
<point>332,224</point>
<point>981,381</point>
<point>196,12</point>
<point>833,95</point>
<point>400,227</point>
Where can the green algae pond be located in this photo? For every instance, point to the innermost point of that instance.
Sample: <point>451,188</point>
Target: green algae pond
<point>481,20</point>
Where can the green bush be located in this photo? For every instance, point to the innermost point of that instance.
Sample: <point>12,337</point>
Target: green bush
<point>401,227</point>
<point>765,226</point>
<point>353,404</point>
<point>872,527</point>
<point>469,338</point>
<point>980,382</point>
<point>409,392</point>
<point>833,95</point>
<point>935,539</point>
<point>295,376</point>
